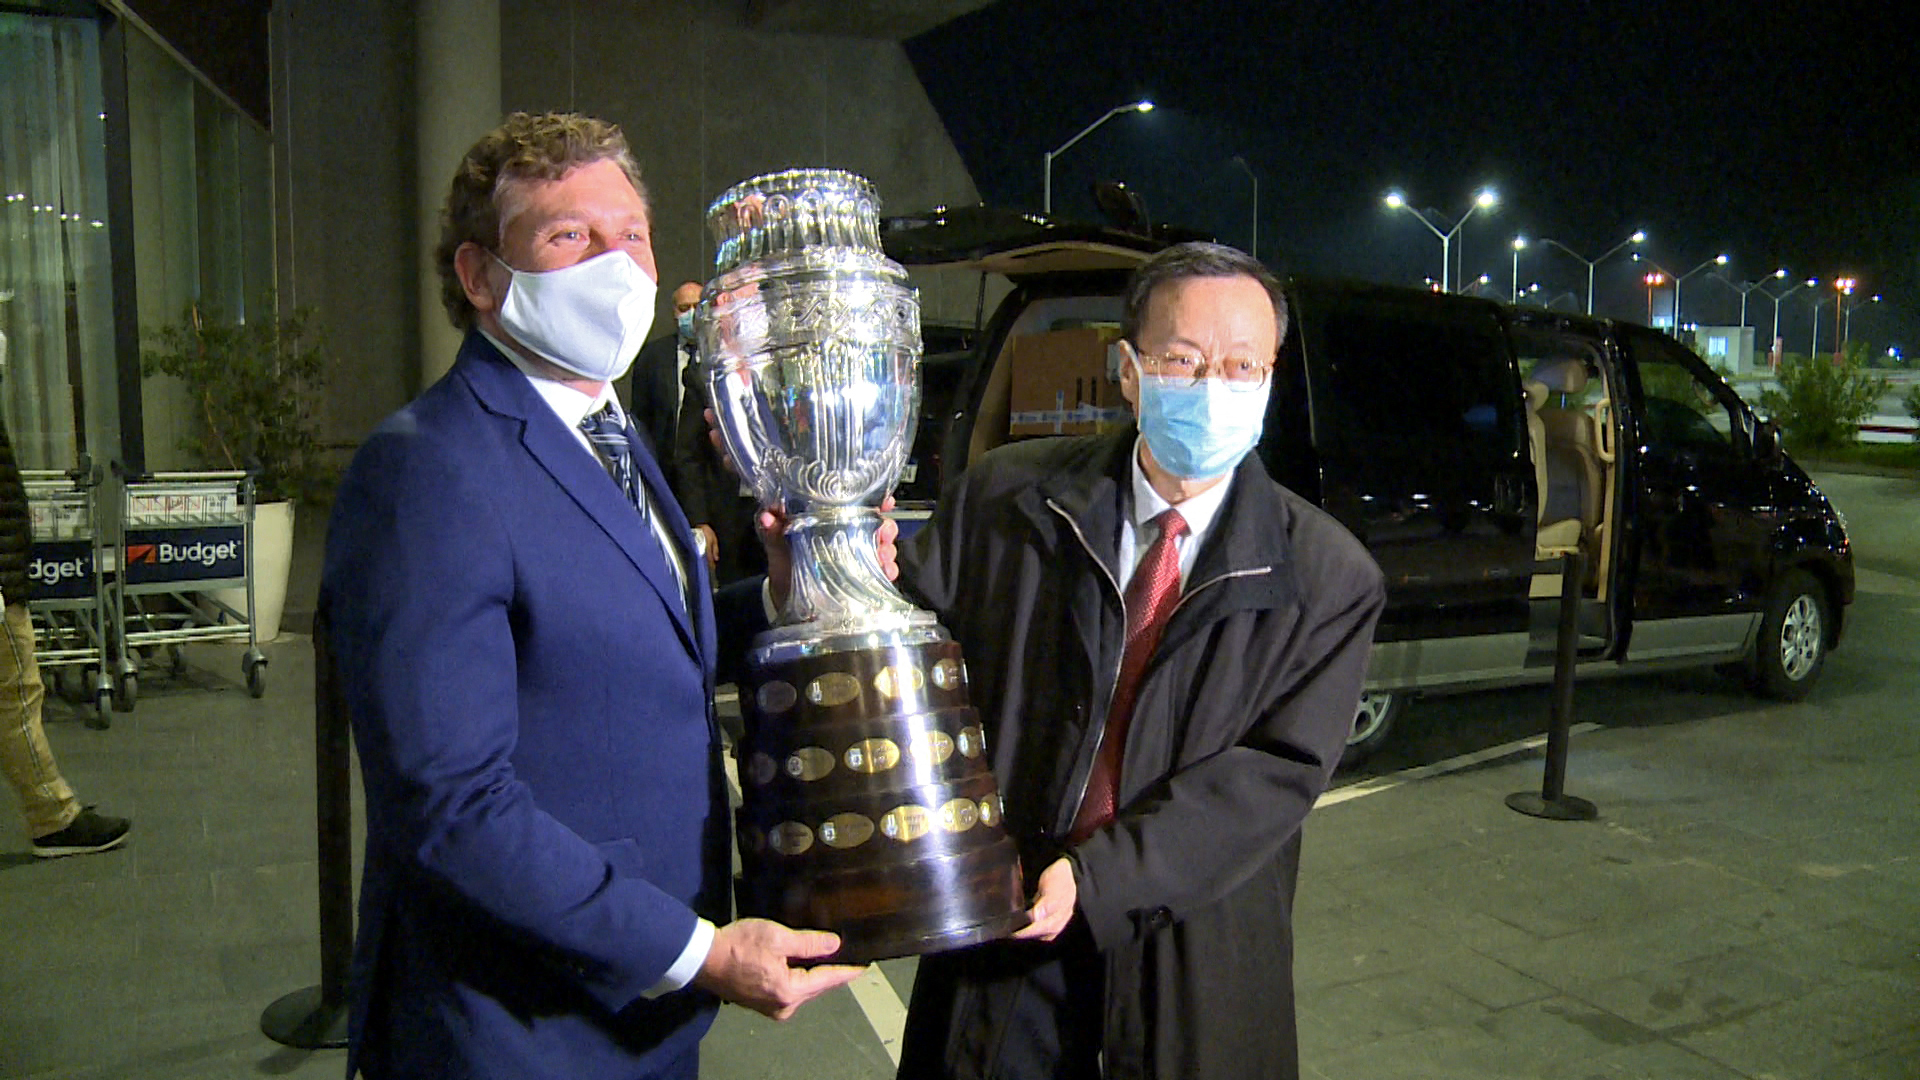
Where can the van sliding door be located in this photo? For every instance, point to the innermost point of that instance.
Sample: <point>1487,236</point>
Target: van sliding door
<point>1421,438</point>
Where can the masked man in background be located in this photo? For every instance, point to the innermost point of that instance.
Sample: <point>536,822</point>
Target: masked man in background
<point>1168,649</point>
<point>654,390</point>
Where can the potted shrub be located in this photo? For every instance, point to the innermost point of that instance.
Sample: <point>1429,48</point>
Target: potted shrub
<point>252,386</point>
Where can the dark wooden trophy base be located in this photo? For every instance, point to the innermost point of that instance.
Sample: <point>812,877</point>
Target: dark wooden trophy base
<point>869,806</point>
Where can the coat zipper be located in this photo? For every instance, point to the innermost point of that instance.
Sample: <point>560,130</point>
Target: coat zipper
<point>1114,683</point>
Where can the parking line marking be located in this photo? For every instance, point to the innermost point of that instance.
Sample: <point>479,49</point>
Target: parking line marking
<point>1440,768</point>
<point>733,777</point>
<point>886,1013</point>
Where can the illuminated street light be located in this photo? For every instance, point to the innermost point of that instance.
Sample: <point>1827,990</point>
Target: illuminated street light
<point>1745,287</point>
<point>1653,280</point>
<point>1519,245</point>
<point>1486,200</point>
<point>1842,288</point>
<point>1046,160</point>
<point>1784,293</point>
<point>1848,327</point>
<point>1717,260</point>
<point>1639,237</point>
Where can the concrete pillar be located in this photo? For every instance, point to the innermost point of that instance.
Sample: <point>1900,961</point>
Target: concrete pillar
<point>457,94</point>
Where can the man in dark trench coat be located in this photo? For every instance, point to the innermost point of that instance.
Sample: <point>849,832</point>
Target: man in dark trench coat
<point>1168,649</point>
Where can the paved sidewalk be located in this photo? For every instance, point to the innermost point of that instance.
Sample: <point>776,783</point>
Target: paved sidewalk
<point>1746,908</point>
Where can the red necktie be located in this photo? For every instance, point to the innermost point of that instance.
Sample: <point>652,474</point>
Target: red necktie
<point>1151,597</point>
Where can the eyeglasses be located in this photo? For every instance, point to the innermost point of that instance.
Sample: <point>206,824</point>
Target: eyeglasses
<point>1243,374</point>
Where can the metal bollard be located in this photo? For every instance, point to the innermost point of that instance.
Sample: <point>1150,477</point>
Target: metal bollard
<point>1553,802</point>
<point>315,1018</point>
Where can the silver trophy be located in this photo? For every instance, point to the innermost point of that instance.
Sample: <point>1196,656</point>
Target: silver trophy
<point>869,808</point>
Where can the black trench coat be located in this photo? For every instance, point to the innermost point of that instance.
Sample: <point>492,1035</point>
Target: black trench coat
<point>1241,717</point>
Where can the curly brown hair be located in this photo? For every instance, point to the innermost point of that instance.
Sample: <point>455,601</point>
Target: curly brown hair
<point>524,147</point>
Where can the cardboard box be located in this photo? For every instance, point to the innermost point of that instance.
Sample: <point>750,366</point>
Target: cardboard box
<point>1060,384</point>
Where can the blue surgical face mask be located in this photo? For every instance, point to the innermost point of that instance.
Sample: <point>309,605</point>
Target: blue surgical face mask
<point>683,323</point>
<point>1198,431</point>
<point>588,318</point>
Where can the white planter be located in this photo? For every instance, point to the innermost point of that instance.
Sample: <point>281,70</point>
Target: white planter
<point>272,559</point>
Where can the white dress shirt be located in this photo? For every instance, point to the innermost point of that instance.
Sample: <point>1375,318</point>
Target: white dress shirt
<point>1138,532</point>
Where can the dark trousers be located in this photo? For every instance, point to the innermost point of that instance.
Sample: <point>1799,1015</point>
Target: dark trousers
<point>1056,1028</point>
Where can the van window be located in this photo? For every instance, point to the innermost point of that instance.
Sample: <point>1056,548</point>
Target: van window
<point>1415,388</point>
<point>1680,410</point>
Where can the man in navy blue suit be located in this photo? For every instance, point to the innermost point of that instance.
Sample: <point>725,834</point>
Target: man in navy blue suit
<point>527,644</point>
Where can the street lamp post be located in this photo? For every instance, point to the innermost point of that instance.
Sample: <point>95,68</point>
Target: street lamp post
<point>1046,160</point>
<point>1874,299</point>
<point>1486,200</point>
<point>1654,279</point>
<point>1639,237</point>
<point>1717,260</point>
<point>1743,288</point>
<point>1519,245</point>
<point>1842,288</point>
<point>1789,291</point>
<point>1242,162</point>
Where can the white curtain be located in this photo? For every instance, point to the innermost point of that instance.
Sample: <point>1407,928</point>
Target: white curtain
<point>60,384</point>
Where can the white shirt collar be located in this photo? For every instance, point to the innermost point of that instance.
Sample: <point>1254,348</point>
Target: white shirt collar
<point>1198,511</point>
<point>571,405</point>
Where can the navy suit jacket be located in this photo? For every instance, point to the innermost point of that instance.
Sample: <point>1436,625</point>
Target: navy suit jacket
<point>532,708</point>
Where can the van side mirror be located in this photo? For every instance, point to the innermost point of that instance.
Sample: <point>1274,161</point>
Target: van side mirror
<point>1766,440</point>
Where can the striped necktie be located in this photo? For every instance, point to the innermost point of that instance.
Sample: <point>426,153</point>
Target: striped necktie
<point>606,430</point>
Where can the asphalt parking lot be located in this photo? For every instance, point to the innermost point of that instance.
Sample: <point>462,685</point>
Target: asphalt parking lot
<point>1747,905</point>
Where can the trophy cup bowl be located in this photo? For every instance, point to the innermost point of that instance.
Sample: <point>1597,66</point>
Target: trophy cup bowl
<point>868,806</point>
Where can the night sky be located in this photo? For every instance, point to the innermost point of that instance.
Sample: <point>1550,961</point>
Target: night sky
<point>1785,134</point>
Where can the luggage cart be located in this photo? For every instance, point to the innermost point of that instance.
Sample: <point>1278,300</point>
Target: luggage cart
<point>182,536</point>
<point>68,603</point>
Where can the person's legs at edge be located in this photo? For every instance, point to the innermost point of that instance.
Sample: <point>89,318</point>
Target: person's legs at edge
<point>56,821</point>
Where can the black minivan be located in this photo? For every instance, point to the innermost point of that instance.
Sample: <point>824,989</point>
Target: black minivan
<point>1470,445</point>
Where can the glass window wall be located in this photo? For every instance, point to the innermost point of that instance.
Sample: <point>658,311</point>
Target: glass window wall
<point>60,383</point>
<point>198,232</point>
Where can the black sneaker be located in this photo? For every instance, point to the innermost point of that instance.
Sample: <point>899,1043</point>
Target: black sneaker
<point>88,833</point>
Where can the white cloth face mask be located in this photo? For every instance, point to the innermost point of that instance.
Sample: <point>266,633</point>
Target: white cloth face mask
<point>589,318</point>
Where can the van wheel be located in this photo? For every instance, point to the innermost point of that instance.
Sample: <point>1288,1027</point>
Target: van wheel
<point>1372,722</point>
<point>1792,646</point>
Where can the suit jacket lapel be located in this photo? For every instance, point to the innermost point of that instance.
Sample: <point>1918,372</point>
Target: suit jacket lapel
<point>501,388</point>
<point>667,509</point>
